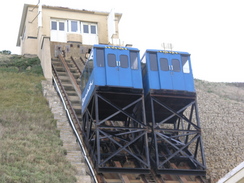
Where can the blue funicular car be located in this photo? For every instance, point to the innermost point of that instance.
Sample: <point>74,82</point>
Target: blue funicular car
<point>167,70</point>
<point>113,121</point>
<point>111,66</point>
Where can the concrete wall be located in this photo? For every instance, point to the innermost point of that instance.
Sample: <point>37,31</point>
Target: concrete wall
<point>45,57</point>
<point>29,35</point>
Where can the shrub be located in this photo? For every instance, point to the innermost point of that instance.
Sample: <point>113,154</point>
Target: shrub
<point>5,52</point>
<point>23,64</point>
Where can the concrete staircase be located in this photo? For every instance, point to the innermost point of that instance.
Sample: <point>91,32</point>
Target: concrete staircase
<point>74,154</point>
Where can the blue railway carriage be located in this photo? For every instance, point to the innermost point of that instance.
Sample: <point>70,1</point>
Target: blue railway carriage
<point>113,122</point>
<point>111,66</point>
<point>171,111</point>
<point>167,70</point>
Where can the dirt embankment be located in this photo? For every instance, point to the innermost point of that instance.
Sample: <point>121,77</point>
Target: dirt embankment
<point>221,108</point>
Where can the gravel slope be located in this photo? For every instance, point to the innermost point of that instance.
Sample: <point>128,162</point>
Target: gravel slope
<point>221,108</point>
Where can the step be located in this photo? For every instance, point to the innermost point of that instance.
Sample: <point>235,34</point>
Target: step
<point>62,73</point>
<point>59,69</point>
<point>64,78</point>
<point>74,98</point>
<point>71,93</point>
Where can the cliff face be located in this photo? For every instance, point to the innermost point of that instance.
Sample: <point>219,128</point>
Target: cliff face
<point>221,111</point>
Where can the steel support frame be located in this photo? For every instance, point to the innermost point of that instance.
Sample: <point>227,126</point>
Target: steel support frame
<point>177,144</point>
<point>109,140</point>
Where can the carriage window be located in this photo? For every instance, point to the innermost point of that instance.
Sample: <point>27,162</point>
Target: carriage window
<point>153,61</point>
<point>123,61</point>
<point>176,65</point>
<point>164,64</point>
<point>185,64</point>
<point>86,74</point>
<point>111,60</point>
<point>133,60</point>
<point>100,57</point>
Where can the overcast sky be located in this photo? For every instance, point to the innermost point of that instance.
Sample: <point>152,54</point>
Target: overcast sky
<point>211,30</point>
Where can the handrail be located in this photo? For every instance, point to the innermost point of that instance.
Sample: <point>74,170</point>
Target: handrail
<point>73,81</point>
<point>73,60</point>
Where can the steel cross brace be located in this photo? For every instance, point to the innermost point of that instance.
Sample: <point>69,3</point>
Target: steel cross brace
<point>128,137</point>
<point>173,141</point>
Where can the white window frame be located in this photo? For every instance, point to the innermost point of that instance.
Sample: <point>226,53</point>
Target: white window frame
<point>89,27</point>
<point>78,27</point>
<point>58,21</point>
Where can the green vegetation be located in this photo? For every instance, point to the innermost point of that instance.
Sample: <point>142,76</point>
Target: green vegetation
<point>6,52</point>
<point>30,147</point>
<point>22,64</point>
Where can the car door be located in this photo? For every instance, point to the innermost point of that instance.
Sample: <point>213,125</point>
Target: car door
<point>176,72</point>
<point>118,72</point>
<point>165,71</point>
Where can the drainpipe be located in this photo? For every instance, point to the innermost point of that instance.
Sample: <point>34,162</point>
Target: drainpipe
<point>40,14</point>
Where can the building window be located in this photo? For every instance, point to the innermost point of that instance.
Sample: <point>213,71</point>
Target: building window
<point>74,26</point>
<point>61,26</point>
<point>85,29</point>
<point>58,25</point>
<point>93,29</point>
<point>54,25</point>
<point>89,28</point>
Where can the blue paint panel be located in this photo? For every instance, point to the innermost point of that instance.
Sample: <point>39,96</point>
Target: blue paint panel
<point>87,92</point>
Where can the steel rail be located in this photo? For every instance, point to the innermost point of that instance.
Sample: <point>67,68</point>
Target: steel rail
<point>73,126</point>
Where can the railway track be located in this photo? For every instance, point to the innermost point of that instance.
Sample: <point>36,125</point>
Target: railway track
<point>66,79</point>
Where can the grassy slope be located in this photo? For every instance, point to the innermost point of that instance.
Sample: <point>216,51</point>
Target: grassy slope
<point>30,147</point>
